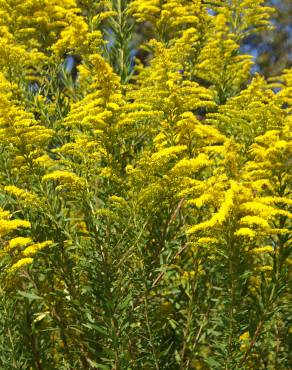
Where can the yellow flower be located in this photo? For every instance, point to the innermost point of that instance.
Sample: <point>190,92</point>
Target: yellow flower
<point>222,214</point>
<point>207,240</point>
<point>118,200</point>
<point>245,231</point>
<point>19,264</point>
<point>260,250</point>
<point>6,226</point>
<point>18,242</point>
<point>245,336</point>
<point>189,166</point>
<point>167,153</point>
<point>65,178</point>
<point>24,195</point>
<point>34,248</point>
<point>265,268</point>
<point>254,220</point>
<point>244,339</point>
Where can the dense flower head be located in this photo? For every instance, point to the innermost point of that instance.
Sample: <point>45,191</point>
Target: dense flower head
<point>67,180</point>
<point>20,264</point>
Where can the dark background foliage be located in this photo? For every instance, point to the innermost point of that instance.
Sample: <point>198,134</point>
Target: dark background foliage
<point>272,50</point>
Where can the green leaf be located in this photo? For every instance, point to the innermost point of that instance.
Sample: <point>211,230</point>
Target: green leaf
<point>95,365</point>
<point>96,328</point>
<point>30,296</point>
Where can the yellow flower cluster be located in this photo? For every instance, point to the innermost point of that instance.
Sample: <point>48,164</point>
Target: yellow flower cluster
<point>24,196</point>
<point>267,249</point>
<point>35,248</point>
<point>190,166</point>
<point>167,16</point>
<point>19,131</point>
<point>67,180</point>
<point>28,30</point>
<point>245,340</point>
<point>18,242</point>
<point>6,226</point>
<point>20,264</point>
<point>223,212</point>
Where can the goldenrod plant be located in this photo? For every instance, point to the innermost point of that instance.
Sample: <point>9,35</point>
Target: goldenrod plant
<point>145,207</point>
